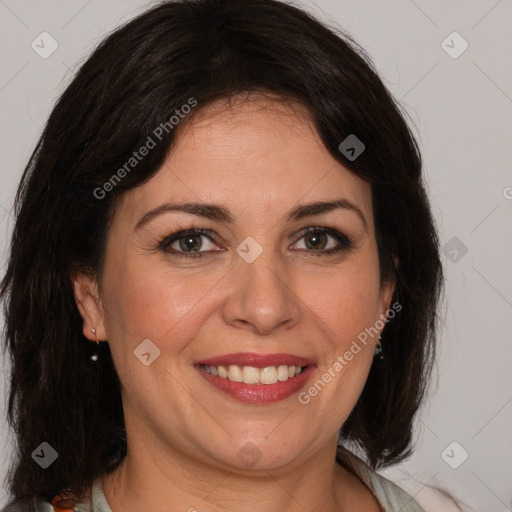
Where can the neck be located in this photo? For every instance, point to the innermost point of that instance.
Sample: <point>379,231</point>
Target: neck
<point>147,480</point>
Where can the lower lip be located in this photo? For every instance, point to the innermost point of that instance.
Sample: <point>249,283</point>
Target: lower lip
<point>259,393</point>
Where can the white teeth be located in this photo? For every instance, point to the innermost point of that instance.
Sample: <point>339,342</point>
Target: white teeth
<point>235,373</point>
<point>282,373</point>
<point>253,375</point>
<point>268,375</point>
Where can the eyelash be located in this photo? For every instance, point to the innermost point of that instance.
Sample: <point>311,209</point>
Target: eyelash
<point>344,241</point>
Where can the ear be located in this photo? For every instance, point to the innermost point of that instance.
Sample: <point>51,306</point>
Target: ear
<point>87,298</point>
<point>387,291</point>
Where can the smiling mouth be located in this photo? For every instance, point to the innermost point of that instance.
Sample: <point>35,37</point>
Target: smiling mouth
<point>252,374</point>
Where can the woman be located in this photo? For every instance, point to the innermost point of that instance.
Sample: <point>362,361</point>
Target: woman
<point>224,274</point>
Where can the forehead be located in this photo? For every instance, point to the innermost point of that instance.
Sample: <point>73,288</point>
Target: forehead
<point>246,133</point>
<point>254,156</point>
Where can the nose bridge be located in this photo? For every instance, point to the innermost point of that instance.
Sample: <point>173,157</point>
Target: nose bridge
<point>265,273</point>
<point>260,295</point>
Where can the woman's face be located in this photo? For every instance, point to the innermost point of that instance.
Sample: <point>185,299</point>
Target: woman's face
<point>255,292</point>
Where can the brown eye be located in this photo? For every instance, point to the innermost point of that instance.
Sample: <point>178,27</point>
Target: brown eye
<point>323,241</point>
<point>185,243</point>
<point>192,242</point>
<point>316,240</point>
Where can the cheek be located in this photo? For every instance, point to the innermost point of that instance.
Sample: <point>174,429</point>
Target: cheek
<point>345,300</point>
<point>153,302</point>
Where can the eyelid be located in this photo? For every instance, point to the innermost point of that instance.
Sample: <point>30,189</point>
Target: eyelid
<point>182,233</point>
<point>345,242</point>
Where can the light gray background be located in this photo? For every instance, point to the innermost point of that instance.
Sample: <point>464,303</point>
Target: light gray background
<point>462,112</point>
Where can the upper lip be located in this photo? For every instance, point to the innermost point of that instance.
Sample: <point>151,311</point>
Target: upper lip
<point>257,360</point>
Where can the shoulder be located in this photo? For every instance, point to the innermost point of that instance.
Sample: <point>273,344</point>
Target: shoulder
<point>390,496</point>
<point>35,504</point>
<point>93,501</point>
<point>39,504</point>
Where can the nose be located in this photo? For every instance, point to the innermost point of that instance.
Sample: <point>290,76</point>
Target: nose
<point>261,297</point>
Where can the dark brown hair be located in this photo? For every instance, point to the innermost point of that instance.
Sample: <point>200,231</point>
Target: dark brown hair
<point>132,83</point>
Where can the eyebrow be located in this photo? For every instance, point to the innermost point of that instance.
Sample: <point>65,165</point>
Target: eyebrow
<point>219,213</point>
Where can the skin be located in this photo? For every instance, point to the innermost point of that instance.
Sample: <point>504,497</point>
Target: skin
<point>259,159</point>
